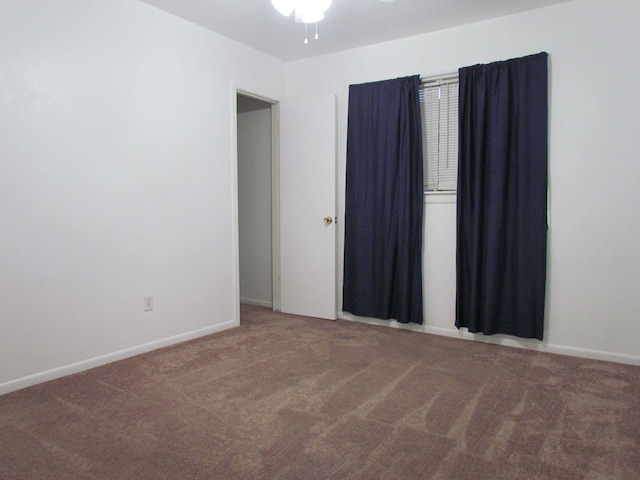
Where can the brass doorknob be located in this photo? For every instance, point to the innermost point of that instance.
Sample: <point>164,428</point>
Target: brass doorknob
<point>328,220</point>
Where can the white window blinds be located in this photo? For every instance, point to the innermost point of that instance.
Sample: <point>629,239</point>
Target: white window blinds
<point>439,102</point>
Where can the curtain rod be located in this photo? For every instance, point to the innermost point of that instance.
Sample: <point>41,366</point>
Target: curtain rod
<point>439,79</point>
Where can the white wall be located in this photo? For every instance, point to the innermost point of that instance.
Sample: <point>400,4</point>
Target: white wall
<point>594,267</point>
<point>254,202</point>
<point>116,180</point>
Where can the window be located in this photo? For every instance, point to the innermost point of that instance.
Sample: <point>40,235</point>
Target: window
<point>439,103</point>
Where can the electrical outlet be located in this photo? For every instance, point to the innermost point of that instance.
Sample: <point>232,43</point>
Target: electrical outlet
<point>148,303</point>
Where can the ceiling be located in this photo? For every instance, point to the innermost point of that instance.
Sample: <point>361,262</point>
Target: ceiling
<point>347,23</point>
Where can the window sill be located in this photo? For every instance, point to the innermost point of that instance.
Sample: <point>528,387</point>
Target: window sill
<point>440,197</point>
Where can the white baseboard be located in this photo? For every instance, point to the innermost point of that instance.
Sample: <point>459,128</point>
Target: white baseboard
<point>256,302</point>
<point>60,372</point>
<point>500,340</point>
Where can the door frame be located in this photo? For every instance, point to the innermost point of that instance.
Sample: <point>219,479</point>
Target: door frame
<point>274,100</point>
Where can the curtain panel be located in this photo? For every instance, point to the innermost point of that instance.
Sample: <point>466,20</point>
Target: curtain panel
<point>501,241</point>
<point>384,201</point>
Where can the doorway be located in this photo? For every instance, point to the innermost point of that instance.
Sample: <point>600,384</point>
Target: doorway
<point>257,275</point>
<point>301,210</point>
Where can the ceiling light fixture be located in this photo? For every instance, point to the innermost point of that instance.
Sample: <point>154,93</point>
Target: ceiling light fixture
<point>307,11</point>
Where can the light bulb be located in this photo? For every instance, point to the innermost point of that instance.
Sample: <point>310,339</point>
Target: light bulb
<point>285,7</point>
<point>311,11</point>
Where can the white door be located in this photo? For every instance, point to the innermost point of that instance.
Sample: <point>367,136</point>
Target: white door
<point>308,206</point>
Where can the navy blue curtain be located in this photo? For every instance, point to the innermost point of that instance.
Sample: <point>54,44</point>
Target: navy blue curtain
<point>384,201</point>
<point>502,197</point>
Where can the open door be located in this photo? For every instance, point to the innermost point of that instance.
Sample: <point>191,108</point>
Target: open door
<point>308,206</point>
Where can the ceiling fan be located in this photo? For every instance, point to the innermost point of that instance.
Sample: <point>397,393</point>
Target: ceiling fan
<point>306,11</point>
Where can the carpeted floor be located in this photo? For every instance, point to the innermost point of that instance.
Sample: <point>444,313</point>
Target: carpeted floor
<point>286,397</point>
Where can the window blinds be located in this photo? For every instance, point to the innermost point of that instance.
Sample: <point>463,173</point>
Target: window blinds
<point>439,102</point>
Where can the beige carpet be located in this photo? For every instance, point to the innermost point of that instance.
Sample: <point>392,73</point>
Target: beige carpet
<point>285,397</point>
